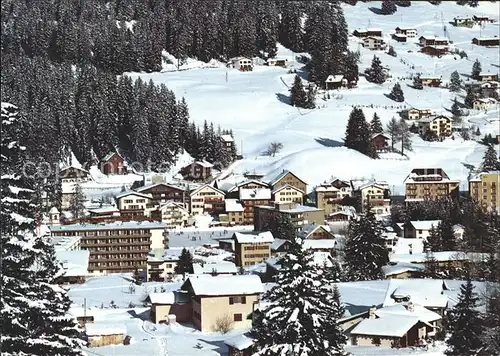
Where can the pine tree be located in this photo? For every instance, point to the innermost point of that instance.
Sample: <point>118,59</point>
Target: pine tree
<point>282,227</point>
<point>304,309</point>
<point>431,264</point>
<point>350,68</point>
<point>185,264</point>
<point>455,82</point>
<point>445,229</point>
<point>397,93</point>
<point>375,74</point>
<point>392,51</point>
<point>388,7</point>
<point>455,109</point>
<point>376,125</point>
<point>298,96</point>
<point>434,242</point>
<point>404,136</point>
<point>393,130</point>
<point>290,29</point>
<point>490,160</point>
<point>76,205</point>
<point>358,134</point>
<point>469,99</point>
<point>466,324</point>
<point>365,252</point>
<point>310,99</point>
<point>476,69</point>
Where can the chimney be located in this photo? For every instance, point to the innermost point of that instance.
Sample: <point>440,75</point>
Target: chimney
<point>371,313</point>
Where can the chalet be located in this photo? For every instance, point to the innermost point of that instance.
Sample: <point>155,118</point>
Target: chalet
<point>425,41</point>
<point>399,37</point>
<point>315,231</point>
<point>113,163</point>
<point>377,194</point>
<point>280,247</point>
<point>435,50</point>
<point>430,81</point>
<point>463,21</point>
<point>380,141</point>
<point>330,196</point>
<point>374,42</point>
<point>206,199</point>
<point>480,19</point>
<point>483,103</point>
<point>74,175</point>
<point>287,194</point>
<point>300,215</point>
<point>486,41</point>
<point>251,249</point>
<point>234,211</point>
<point>415,114</point>
<point>341,216</point>
<point>228,143</point>
<point>439,126</point>
<point>240,345</point>
<point>163,192</point>
<point>242,64</point>
<point>334,82</point>
<point>252,197</point>
<point>216,298</point>
<point>133,204</point>
<point>488,77</point>
<point>365,32</point>
<point>419,229</point>
<point>198,171</point>
<point>287,177</point>
<point>233,190</point>
<point>277,62</point>
<point>110,213</point>
<point>406,31</point>
<point>173,214</point>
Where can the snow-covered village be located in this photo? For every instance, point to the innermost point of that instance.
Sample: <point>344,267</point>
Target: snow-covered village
<point>250,178</point>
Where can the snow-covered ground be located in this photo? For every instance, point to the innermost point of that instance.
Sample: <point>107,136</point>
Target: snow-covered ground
<point>254,104</point>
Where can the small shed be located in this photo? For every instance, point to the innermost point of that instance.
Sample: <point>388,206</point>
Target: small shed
<point>277,62</point>
<point>105,334</point>
<point>240,345</point>
<point>399,37</point>
<point>334,81</point>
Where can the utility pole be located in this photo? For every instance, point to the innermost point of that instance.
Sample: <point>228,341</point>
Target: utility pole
<point>85,314</point>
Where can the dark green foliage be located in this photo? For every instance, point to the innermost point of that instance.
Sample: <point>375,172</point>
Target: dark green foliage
<point>455,109</point>
<point>376,125</point>
<point>469,99</point>
<point>358,133</point>
<point>350,68</point>
<point>434,240</point>
<point>476,69</point>
<point>403,3</point>
<point>76,205</point>
<point>466,324</point>
<point>388,7</point>
<point>298,96</point>
<point>281,226</point>
<point>455,82</point>
<point>375,74</point>
<point>490,160</point>
<point>397,93</point>
<point>392,52</point>
<point>185,264</point>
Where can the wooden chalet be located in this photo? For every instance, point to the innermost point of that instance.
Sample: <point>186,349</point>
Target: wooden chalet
<point>366,32</point>
<point>380,141</point>
<point>197,171</point>
<point>113,163</point>
<point>430,81</point>
<point>486,41</point>
<point>334,82</point>
<point>399,37</point>
<point>434,50</point>
<point>163,192</point>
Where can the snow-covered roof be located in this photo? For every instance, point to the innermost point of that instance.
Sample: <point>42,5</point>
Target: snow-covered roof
<point>430,77</point>
<point>327,188</point>
<point>54,210</point>
<point>277,243</point>
<point>233,205</point>
<point>196,190</point>
<point>162,298</point>
<point>427,37</point>
<point>334,78</point>
<point>286,186</point>
<point>220,267</point>
<point>171,203</point>
<point>111,226</point>
<point>401,35</point>
<point>65,243</point>
<point>149,186</point>
<point>424,224</point>
<point>487,74</point>
<point>137,194</point>
<point>109,155</point>
<point>277,177</point>
<point>204,164</point>
<point>227,138</point>
<point>439,256</point>
<point>255,194</point>
<point>406,28</point>
<point>319,244</point>
<point>225,285</point>
<point>409,309</point>
<point>77,311</point>
<point>486,38</point>
<point>263,237</point>
<point>104,210</point>
<point>390,325</point>
<point>98,329</point>
<point>75,263</point>
<point>401,267</point>
<point>296,209</point>
<point>240,342</point>
<point>425,292</point>
<point>308,229</point>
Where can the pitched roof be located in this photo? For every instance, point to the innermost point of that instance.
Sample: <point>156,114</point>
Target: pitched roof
<point>255,194</point>
<point>286,186</point>
<point>251,238</point>
<point>170,203</point>
<point>225,285</point>
<point>233,205</point>
<point>75,263</point>
<point>389,325</point>
<point>146,187</point>
<point>162,298</point>
<point>277,243</point>
<point>220,267</point>
<point>227,138</point>
<point>240,342</point>
<point>319,244</point>
<point>425,292</point>
<point>424,224</point>
<point>334,78</point>
<point>380,134</point>
<point>132,192</point>
<point>206,186</point>
<point>280,176</point>
<point>245,182</point>
<point>308,229</point>
<point>111,154</point>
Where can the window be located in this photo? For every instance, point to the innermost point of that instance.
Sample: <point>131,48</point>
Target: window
<point>238,317</point>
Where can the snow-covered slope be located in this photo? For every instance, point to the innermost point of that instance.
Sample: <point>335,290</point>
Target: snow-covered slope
<point>254,104</point>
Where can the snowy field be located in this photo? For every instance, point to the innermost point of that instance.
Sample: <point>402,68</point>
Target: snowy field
<point>254,104</point>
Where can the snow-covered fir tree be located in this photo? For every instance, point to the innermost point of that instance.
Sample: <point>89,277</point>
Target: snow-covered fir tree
<point>77,202</point>
<point>455,109</point>
<point>393,129</point>
<point>391,51</point>
<point>490,160</point>
<point>434,242</point>
<point>445,229</point>
<point>298,96</point>
<point>365,251</point>
<point>350,69</point>
<point>290,27</point>
<point>466,324</point>
<point>476,69</point>
<point>185,264</point>
<point>397,93</point>
<point>404,136</point>
<point>358,133</point>
<point>375,74</point>
<point>469,98</point>
<point>455,82</point>
<point>388,7</point>
<point>303,308</point>
<point>376,124</point>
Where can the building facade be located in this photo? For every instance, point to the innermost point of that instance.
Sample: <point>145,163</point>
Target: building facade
<point>173,214</point>
<point>163,192</point>
<point>430,184</point>
<point>206,199</point>
<point>484,189</point>
<point>288,194</point>
<point>299,215</point>
<point>440,126</point>
<point>133,204</point>
<point>250,249</point>
<point>198,171</point>
<point>287,178</point>
<point>118,247</point>
<point>113,163</point>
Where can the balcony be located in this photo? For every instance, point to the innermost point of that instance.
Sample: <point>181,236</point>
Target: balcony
<point>109,252</point>
<point>122,259</point>
<point>116,244</point>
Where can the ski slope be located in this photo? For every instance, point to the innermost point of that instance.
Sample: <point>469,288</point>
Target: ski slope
<point>254,104</point>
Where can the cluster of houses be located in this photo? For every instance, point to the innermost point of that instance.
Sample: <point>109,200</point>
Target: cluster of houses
<point>467,21</point>
<point>245,64</point>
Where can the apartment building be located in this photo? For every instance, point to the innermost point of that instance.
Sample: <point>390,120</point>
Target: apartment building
<point>117,247</point>
<point>163,192</point>
<point>252,197</point>
<point>288,194</point>
<point>286,177</point>
<point>173,214</point>
<point>329,196</point>
<point>430,184</point>
<point>376,194</point>
<point>206,199</point>
<point>223,297</point>
<point>133,204</point>
<point>439,126</point>
<point>483,188</point>
<point>250,249</point>
<point>299,214</point>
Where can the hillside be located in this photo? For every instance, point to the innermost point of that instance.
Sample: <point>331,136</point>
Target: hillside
<point>254,104</point>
